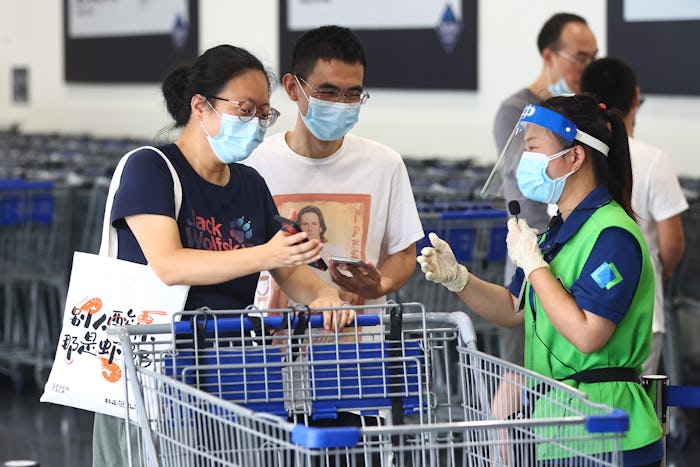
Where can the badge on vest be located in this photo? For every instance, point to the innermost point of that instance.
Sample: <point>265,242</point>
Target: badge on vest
<point>606,275</point>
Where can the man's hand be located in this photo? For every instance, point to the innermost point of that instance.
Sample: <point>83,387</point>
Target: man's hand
<point>363,281</point>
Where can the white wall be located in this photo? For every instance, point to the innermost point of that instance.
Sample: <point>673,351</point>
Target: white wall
<point>416,123</point>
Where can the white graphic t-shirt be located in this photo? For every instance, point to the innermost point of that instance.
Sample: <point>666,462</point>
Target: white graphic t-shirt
<point>358,201</point>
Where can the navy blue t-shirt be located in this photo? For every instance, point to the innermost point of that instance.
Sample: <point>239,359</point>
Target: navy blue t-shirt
<point>212,217</point>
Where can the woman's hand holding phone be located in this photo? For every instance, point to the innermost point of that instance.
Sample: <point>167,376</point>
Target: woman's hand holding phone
<point>289,227</point>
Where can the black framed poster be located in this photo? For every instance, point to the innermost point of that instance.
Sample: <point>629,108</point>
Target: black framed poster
<point>410,44</point>
<point>660,42</point>
<point>128,41</point>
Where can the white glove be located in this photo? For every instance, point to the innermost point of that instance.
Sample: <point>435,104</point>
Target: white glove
<point>523,248</point>
<point>440,265</point>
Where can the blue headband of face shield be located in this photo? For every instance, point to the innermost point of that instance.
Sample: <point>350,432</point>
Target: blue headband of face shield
<point>502,184</point>
<point>560,125</point>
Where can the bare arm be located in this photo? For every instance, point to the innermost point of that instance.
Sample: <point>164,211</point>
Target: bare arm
<point>397,269</point>
<point>302,285</point>
<point>491,301</point>
<point>587,331</point>
<point>159,240</point>
<point>671,244</point>
<point>373,282</point>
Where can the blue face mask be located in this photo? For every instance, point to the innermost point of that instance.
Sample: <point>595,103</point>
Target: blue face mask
<point>533,181</point>
<point>330,121</point>
<point>236,139</point>
<point>560,88</point>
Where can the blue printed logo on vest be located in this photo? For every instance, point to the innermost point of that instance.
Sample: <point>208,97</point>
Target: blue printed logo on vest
<point>606,276</point>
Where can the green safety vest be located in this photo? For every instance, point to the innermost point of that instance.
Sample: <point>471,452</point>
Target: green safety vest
<point>547,352</point>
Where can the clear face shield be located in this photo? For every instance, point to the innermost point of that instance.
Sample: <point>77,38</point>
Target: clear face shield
<point>540,136</point>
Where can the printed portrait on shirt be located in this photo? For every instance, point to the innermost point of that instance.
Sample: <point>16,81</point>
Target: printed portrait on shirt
<point>339,221</point>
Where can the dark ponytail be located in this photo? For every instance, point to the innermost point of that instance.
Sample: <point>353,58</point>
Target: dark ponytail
<point>589,116</point>
<point>206,76</point>
<point>619,162</point>
<point>175,90</point>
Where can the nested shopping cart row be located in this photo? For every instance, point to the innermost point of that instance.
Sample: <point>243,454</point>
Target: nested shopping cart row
<point>233,388</point>
<point>35,240</point>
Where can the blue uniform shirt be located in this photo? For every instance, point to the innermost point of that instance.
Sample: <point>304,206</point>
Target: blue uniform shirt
<point>614,245</point>
<point>212,217</point>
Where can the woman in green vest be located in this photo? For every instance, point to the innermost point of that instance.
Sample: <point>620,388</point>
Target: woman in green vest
<point>585,286</point>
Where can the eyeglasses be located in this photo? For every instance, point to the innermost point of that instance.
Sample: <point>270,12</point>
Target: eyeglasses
<point>581,60</point>
<point>246,110</point>
<point>333,95</point>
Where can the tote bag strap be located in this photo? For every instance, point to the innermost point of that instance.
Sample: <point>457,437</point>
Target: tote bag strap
<point>109,245</point>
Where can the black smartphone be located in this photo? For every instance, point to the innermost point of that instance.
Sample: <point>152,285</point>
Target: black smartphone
<point>290,228</point>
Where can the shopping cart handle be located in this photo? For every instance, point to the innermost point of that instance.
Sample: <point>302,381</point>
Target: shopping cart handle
<point>474,214</point>
<point>243,323</point>
<point>274,322</point>
<point>332,437</point>
<point>616,421</point>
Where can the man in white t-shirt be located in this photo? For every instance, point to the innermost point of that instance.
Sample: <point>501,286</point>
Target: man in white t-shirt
<point>657,198</point>
<point>361,186</point>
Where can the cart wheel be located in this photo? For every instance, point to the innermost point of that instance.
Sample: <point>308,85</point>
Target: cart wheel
<point>677,438</point>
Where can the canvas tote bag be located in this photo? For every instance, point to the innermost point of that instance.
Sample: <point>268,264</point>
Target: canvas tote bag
<point>88,370</point>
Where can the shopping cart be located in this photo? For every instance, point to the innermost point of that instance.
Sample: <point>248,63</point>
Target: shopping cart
<point>233,389</point>
<point>35,240</point>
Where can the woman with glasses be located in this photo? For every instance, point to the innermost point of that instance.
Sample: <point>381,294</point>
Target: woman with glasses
<point>224,234</point>
<point>584,288</point>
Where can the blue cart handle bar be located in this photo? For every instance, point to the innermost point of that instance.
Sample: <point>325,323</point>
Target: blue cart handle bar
<point>243,323</point>
<point>474,215</point>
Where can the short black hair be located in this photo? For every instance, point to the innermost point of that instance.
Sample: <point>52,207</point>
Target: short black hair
<point>326,43</point>
<point>612,81</point>
<point>550,34</point>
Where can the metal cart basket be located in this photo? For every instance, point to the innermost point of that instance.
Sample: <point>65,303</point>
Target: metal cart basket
<point>250,388</point>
